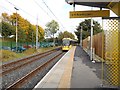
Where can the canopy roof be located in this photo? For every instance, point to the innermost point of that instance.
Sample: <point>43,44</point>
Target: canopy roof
<point>113,5</point>
<point>94,4</point>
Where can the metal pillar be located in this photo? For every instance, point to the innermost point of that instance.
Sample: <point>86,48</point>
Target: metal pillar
<point>37,34</point>
<point>74,6</point>
<point>91,55</point>
<point>81,36</point>
<point>16,29</point>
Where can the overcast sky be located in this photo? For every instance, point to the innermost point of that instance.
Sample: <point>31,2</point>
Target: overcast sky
<point>30,9</point>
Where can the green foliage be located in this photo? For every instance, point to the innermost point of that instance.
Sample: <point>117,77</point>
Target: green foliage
<point>26,30</point>
<point>7,29</point>
<point>52,28</point>
<point>86,28</point>
<point>41,33</point>
<point>6,18</point>
<point>22,34</point>
<point>9,55</point>
<point>65,34</point>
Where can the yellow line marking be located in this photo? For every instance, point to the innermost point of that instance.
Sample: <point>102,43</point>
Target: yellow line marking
<point>66,77</point>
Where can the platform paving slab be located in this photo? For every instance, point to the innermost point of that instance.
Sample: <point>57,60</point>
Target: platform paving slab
<point>83,73</point>
<point>59,76</point>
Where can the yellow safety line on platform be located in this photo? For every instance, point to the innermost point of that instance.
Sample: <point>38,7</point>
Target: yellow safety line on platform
<point>66,77</point>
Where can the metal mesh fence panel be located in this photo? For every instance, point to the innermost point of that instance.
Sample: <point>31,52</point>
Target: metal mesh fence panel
<point>112,52</point>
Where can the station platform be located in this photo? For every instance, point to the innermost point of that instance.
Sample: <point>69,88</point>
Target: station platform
<point>73,70</point>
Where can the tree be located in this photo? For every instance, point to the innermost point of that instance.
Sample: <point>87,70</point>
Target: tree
<point>41,33</point>
<point>22,34</point>
<point>6,18</point>
<point>65,34</point>
<point>52,28</point>
<point>26,30</point>
<point>7,29</point>
<point>86,28</point>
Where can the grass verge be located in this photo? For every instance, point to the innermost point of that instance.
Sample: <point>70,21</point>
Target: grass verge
<point>6,55</point>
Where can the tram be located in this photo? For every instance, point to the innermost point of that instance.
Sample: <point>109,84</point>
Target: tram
<point>67,44</point>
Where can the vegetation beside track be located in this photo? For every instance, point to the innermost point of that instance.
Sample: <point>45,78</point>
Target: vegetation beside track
<point>7,55</point>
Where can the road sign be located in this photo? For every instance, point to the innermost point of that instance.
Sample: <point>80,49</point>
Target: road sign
<point>87,14</point>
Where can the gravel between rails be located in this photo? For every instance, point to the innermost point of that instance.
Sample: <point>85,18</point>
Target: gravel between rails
<point>23,62</point>
<point>8,79</point>
<point>31,84</point>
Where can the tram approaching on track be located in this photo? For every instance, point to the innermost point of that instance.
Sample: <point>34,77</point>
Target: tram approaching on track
<point>67,43</point>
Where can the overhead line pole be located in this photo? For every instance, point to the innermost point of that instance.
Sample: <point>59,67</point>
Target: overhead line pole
<point>37,34</point>
<point>16,29</point>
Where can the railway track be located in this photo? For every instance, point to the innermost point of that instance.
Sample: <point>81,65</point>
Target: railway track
<point>26,78</point>
<point>23,63</point>
<point>7,68</point>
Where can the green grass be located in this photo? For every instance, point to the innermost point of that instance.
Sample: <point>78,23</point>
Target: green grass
<point>0,40</point>
<point>9,55</point>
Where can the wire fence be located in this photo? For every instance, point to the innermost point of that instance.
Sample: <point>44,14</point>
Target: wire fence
<point>12,44</point>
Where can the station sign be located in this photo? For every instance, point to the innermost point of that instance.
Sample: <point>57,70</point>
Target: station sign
<point>88,14</point>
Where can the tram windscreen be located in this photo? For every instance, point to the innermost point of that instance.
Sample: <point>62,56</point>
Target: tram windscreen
<point>66,42</point>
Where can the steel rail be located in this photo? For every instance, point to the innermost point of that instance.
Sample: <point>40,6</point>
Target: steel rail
<point>20,66</point>
<point>27,77</point>
<point>24,59</point>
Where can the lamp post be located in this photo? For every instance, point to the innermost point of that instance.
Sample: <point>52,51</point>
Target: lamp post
<point>91,56</point>
<point>37,34</point>
<point>16,29</point>
<point>81,36</point>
